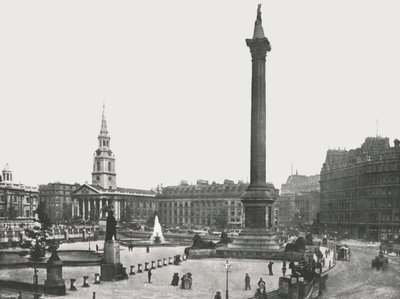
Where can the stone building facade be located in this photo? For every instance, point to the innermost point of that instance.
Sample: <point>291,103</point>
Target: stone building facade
<point>58,200</point>
<point>360,190</point>
<point>18,203</point>
<point>89,201</point>
<point>196,206</point>
<point>299,201</point>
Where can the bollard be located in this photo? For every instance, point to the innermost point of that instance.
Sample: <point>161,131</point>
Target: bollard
<point>170,261</point>
<point>85,281</point>
<point>97,278</point>
<point>153,265</point>
<point>72,287</point>
<point>165,262</point>
<point>139,268</point>
<point>183,257</point>
<point>132,272</point>
<point>159,264</point>
<point>146,266</point>
<point>94,295</point>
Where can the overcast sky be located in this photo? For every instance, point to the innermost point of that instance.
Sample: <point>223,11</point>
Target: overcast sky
<point>175,78</point>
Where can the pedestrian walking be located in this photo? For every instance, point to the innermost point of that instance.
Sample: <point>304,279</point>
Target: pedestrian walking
<point>247,282</point>
<point>218,295</point>
<point>175,280</point>
<point>147,249</point>
<point>97,248</point>
<point>270,268</point>
<point>284,268</point>
<point>292,267</point>
<point>261,284</point>
<point>149,274</point>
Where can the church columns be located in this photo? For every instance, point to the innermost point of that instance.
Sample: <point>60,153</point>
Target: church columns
<point>73,208</point>
<point>88,208</point>
<point>84,209</point>
<point>100,208</point>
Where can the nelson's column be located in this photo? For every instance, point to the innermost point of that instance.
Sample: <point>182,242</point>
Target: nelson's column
<point>257,238</point>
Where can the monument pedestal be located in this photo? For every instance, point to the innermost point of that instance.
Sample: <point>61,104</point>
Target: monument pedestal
<point>257,239</point>
<point>111,268</point>
<point>54,284</point>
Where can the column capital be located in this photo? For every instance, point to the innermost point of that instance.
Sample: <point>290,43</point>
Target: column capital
<point>258,47</point>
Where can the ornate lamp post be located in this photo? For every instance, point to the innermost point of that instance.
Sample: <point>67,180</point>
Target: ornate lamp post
<point>131,231</point>
<point>227,267</point>
<point>89,233</point>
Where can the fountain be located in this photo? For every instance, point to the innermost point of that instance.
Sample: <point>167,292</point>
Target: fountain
<point>157,236</point>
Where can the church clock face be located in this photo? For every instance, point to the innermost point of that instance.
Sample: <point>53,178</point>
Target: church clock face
<point>98,178</point>
<point>109,178</point>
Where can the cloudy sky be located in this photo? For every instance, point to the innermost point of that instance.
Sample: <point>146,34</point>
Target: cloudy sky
<point>175,78</point>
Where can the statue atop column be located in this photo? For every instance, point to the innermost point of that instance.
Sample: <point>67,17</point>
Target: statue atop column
<point>111,226</point>
<point>258,29</point>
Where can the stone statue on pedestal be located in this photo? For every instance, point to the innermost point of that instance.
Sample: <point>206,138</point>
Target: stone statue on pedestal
<point>54,284</point>
<point>111,226</point>
<point>111,268</point>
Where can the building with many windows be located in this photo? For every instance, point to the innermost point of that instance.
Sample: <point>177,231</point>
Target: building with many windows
<point>200,205</point>
<point>299,200</point>
<point>18,203</point>
<point>90,201</point>
<point>58,200</point>
<point>360,190</point>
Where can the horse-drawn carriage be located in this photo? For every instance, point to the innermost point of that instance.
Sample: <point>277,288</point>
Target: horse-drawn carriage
<point>380,262</point>
<point>343,253</point>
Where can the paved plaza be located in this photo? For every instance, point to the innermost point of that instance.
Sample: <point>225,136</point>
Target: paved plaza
<point>208,275</point>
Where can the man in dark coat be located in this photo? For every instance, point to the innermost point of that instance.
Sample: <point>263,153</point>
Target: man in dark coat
<point>218,295</point>
<point>284,268</point>
<point>270,268</point>
<point>292,267</point>
<point>149,275</point>
<point>247,282</point>
<point>175,280</point>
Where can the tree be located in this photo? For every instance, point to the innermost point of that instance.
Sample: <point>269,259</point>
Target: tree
<point>44,218</point>
<point>67,213</point>
<point>94,216</point>
<point>38,245</point>
<point>126,214</point>
<point>221,220</point>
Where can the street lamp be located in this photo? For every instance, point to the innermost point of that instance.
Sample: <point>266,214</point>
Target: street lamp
<point>227,267</point>
<point>131,231</point>
<point>89,233</point>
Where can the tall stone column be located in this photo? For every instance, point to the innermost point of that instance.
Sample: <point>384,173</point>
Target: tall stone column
<point>259,196</point>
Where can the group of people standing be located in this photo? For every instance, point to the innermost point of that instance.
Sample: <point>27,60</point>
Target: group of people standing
<point>186,281</point>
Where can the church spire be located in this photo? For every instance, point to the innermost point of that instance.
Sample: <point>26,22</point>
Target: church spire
<point>103,174</point>
<point>103,129</point>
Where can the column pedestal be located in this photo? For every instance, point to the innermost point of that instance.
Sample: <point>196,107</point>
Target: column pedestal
<point>111,268</point>
<point>54,284</point>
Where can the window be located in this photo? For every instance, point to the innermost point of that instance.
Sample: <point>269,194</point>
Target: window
<point>109,166</point>
<point>27,213</point>
<point>98,165</point>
